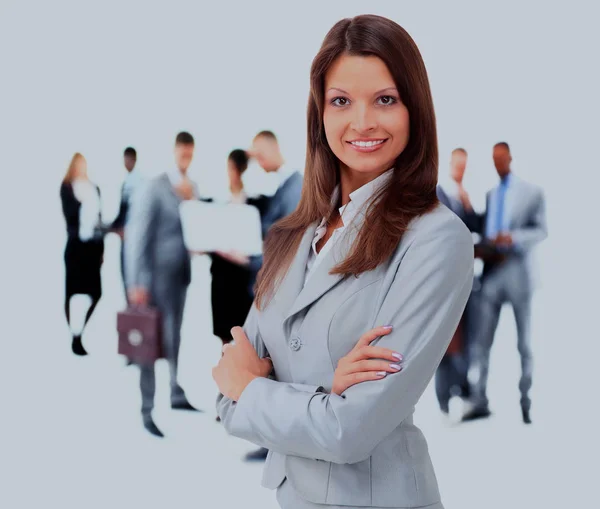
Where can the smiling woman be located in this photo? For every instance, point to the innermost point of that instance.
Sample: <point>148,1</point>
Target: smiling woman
<point>364,114</point>
<point>361,289</point>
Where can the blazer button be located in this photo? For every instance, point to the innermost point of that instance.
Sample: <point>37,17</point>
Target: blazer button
<point>295,344</point>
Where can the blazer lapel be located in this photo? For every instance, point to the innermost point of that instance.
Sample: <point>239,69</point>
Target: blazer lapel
<point>321,281</point>
<point>293,280</point>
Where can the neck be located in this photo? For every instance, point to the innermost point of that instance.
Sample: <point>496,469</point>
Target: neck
<point>351,180</point>
<point>277,164</point>
<point>458,181</point>
<point>236,187</point>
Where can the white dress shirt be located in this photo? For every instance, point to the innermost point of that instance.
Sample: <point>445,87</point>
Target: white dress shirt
<point>359,202</point>
<point>238,198</point>
<point>131,184</point>
<point>86,193</point>
<point>284,173</point>
<point>175,176</point>
<point>451,189</point>
<point>491,229</point>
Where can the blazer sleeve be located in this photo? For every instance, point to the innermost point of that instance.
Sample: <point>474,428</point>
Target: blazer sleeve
<point>226,407</point>
<point>424,304</point>
<point>140,233</point>
<point>536,230</point>
<point>119,221</point>
<point>70,205</point>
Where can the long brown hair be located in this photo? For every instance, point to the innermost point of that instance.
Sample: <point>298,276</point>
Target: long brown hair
<point>70,175</point>
<point>412,189</point>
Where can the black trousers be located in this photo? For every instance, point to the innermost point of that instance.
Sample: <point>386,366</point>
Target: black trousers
<point>451,380</point>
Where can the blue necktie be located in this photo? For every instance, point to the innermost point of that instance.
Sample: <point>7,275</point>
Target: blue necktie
<point>500,207</point>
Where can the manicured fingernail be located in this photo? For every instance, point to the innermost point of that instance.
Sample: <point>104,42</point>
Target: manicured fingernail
<point>398,356</point>
<point>381,373</point>
<point>395,366</point>
<point>388,326</point>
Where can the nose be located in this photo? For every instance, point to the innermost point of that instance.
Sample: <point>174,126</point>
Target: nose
<point>364,119</point>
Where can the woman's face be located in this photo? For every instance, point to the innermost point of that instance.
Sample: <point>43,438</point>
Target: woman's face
<point>233,173</point>
<point>366,124</point>
<point>81,169</point>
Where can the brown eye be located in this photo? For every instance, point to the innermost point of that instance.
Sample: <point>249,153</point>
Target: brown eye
<point>340,101</point>
<point>387,100</point>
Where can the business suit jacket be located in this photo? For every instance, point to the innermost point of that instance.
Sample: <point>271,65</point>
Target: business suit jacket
<point>527,225</point>
<point>155,249</point>
<point>278,206</point>
<point>469,218</point>
<point>361,448</point>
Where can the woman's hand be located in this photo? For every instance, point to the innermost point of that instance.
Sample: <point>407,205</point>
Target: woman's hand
<point>364,362</point>
<point>138,296</point>
<point>239,365</point>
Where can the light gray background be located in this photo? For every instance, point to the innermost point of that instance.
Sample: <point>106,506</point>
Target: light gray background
<point>96,77</point>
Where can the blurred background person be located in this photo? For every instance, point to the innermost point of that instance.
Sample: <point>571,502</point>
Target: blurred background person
<point>158,266</point>
<point>231,287</point>
<point>451,376</point>
<point>265,149</point>
<point>513,224</point>
<point>130,185</point>
<point>231,296</point>
<point>85,246</point>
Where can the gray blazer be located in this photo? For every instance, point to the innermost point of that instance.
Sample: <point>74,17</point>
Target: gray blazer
<point>527,226</point>
<point>155,246</point>
<point>361,448</point>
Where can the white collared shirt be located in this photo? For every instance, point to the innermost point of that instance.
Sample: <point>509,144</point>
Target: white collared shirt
<point>358,204</point>
<point>89,212</point>
<point>131,183</point>
<point>284,173</point>
<point>175,176</point>
<point>238,198</point>
<point>451,189</point>
<point>491,230</point>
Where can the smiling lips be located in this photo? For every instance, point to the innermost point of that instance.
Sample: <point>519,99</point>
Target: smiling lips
<point>367,145</point>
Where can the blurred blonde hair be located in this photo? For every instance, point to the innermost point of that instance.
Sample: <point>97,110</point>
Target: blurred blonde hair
<point>72,169</point>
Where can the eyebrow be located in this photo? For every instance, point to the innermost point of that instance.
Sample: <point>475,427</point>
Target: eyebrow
<point>378,92</point>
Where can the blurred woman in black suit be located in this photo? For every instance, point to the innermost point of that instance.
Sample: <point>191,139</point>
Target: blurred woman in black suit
<point>85,244</point>
<point>230,295</point>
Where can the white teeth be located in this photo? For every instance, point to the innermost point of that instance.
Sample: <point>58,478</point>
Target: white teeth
<point>367,143</point>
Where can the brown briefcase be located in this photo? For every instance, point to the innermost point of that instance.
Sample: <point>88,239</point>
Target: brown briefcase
<point>140,335</point>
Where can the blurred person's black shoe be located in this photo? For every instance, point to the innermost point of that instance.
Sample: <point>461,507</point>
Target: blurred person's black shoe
<point>526,416</point>
<point>151,427</point>
<point>77,346</point>
<point>184,405</point>
<point>218,419</point>
<point>476,413</point>
<point>465,391</point>
<point>258,455</point>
